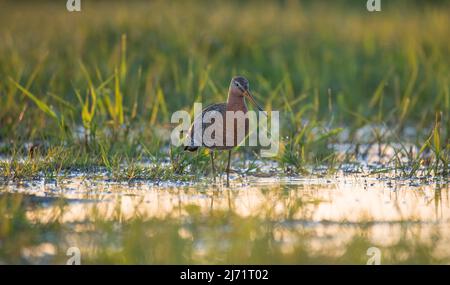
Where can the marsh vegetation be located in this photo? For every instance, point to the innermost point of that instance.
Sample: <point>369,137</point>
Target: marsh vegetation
<point>85,106</point>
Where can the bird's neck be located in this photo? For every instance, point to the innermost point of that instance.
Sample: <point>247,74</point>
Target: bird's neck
<point>236,102</point>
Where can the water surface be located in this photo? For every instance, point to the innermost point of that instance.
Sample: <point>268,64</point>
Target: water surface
<point>287,220</point>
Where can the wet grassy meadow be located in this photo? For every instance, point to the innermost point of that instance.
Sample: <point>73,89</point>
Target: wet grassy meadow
<point>85,157</point>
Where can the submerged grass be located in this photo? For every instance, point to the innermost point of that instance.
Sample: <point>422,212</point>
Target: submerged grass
<point>96,89</point>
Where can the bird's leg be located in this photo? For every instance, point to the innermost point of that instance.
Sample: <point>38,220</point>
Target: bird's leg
<point>212,164</point>
<point>228,168</point>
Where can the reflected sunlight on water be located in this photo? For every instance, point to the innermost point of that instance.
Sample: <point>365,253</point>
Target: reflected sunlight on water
<point>275,220</point>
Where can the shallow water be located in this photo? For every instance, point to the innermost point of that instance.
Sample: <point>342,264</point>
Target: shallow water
<point>257,220</point>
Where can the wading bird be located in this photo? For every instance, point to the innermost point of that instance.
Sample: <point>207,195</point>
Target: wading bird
<point>238,91</point>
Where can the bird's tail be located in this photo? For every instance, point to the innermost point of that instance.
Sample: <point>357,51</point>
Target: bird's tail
<point>191,148</point>
<point>191,145</point>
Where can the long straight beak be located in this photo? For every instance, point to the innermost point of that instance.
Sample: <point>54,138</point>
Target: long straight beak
<point>252,99</point>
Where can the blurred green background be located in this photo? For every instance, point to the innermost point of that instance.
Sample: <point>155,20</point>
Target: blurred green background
<point>86,100</point>
<point>119,69</point>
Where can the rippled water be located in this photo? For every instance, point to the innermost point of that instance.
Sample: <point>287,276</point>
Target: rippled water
<point>256,220</point>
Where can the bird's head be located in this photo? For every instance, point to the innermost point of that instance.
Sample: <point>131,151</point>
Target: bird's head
<point>239,87</point>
